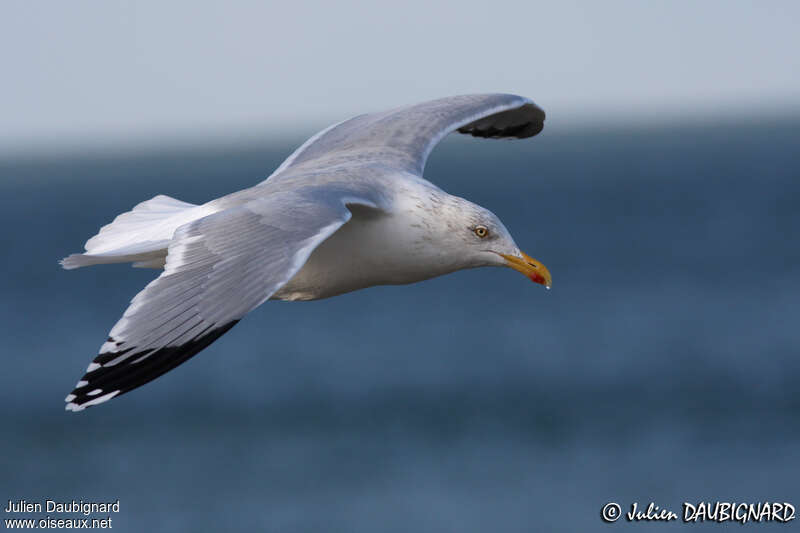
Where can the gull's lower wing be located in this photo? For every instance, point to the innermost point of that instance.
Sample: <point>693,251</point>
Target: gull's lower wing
<point>217,269</point>
<point>404,137</point>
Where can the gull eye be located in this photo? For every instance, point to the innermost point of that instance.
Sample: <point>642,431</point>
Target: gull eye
<point>481,231</point>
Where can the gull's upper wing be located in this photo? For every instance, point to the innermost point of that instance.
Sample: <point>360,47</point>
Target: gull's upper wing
<point>404,137</point>
<point>218,268</point>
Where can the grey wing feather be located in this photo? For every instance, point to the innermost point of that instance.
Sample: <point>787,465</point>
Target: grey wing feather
<point>403,138</point>
<point>218,268</point>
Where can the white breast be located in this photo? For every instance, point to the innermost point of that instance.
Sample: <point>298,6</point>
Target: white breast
<point>373,248</point>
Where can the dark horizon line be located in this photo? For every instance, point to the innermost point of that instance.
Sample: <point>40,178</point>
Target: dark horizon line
<point>248,141</point>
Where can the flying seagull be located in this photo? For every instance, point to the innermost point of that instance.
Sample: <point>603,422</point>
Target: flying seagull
<point>349,209</point>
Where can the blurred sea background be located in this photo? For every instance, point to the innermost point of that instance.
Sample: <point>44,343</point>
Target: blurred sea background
<point>662,366</point>
<point>663,195</point>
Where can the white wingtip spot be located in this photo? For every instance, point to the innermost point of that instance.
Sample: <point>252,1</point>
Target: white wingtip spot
<point>108,346</point>
<point>92,367</point>
<point>70,397</point>
<point>100,399</point>
<point>81,383</point>
<point>95,392</point>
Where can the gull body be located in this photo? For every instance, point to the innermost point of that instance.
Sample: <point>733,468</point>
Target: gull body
<point>347,210</point>
<point>431,235</point>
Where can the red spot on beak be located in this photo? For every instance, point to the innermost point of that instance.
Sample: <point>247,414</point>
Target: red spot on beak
<point>533,269</point>
<point>537,278</point>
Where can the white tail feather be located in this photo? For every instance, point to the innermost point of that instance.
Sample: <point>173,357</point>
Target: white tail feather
<point>140,235</point>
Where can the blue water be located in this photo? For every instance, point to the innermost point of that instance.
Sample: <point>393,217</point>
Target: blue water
<point>662,366</point>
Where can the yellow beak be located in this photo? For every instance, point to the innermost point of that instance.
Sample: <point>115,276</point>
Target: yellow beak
<point>529,266</point>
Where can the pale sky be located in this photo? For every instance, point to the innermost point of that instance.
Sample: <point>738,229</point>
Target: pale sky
<point>83,74</point>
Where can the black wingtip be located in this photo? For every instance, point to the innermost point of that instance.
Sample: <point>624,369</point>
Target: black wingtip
<point>520,131</point>
<point>518,123</point>
<point>102,383</point>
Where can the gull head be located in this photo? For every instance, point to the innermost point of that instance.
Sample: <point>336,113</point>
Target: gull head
<point>478,238</point>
